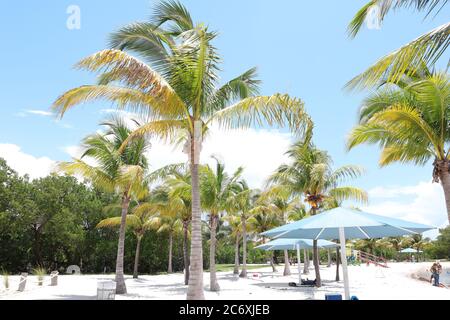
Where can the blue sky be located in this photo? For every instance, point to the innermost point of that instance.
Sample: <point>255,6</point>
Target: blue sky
<point>300,47</point>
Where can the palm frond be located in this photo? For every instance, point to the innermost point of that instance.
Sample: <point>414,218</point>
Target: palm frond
<point>120,96</point>
<point>175,13</point>
<point>145,39</point>
<point>166,130</point>
<point>132,221</point>
<point>244,86</point>
<point>349,193</point>
<point>427,48</point>
<point>93,174</point>
<point>385,6</point>
<point>346,172</point>
<point>272,110</point>
<point>116,65</point>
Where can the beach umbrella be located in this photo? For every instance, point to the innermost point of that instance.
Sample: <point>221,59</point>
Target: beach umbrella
<point>292,244</point>
<point>410,250</point>
<point>343,223</point>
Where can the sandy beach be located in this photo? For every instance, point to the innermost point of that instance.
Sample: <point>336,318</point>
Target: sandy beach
<point>366,282</point>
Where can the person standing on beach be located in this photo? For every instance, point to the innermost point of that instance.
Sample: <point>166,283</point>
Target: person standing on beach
<point>436,269</point>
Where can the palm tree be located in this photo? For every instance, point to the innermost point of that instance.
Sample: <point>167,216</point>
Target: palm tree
<point>427,48</point>
<point>367,245</point>
<point>172,225</point>
<point>261,220</point>
<point>139,222</point>
<point>311,175</point>
<point>286,208</point>
<point>216,188</point>
<point>241,203</point>
<point>178,189</point>
<point>416,241</point>
<point>123,173</point>
<point>409,121</point>
<point>235,225</point>
<point>175,87</point>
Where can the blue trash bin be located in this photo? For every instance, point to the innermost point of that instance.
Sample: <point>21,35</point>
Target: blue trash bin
<point>333,296</point>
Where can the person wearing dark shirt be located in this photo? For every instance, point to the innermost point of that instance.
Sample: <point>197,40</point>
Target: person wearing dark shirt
<point>436,269</point>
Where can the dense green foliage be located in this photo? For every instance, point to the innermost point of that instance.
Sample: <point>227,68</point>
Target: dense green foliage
<point>52,221</point>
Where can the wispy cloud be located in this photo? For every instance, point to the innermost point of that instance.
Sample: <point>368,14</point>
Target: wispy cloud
<point>35,112</point>
<point>42,113</point>
<point>39,113</point>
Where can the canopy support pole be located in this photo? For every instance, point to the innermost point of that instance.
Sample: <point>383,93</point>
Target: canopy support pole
<point>344,262</point>
<point>298,265</point>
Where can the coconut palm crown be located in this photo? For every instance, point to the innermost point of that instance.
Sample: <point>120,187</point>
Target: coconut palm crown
<point>409,121</point>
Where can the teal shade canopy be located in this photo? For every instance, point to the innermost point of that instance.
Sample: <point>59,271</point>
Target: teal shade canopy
<point>410,250</point>
<point>291,244</point>
<point>357,225</point>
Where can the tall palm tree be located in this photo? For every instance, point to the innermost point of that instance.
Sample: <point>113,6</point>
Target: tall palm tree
<point>241,203</point>
<point>123,173</point>
<point>427,48</point>
<point>310,174</point>
<point>139,222</point>
<point>175,87</point>
<point>409,121</point>
<point>216,188</point>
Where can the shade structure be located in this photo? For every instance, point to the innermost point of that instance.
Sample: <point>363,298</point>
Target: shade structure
<point>357,225</point>
<point>410,250</point>
<point>343,223</point>
<point>293,244</point>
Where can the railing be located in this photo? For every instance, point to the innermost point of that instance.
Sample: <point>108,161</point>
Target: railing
<point>371,258</point>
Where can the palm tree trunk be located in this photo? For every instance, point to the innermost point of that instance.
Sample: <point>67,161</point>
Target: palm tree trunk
<point>306,262</point>
<point>37,247</point>
<point>169,268</point>
<point>236,257</point>
<point>213,284</point>
<point>195,287</point>
<point>120,280</point>
<point>136,258</point>
<point>272,264</point>
<point>244,249</point>
<point>337,263</point>
<point>444,177</point>
<point>186,252</point>
<point>329,258</point>
<point>316,263</point>
<point>287,270</point>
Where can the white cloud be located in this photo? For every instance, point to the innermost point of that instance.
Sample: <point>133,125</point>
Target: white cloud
<point>43,113</point>
<point>40,113</point>
<point>26,113</point>
<point>422,203</point>
<point>24,163</point>
<point>260,152</point>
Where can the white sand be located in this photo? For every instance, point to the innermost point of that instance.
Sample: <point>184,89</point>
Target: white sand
<point>366,282</point>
